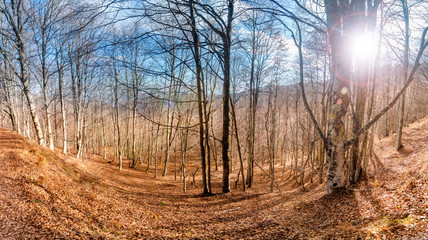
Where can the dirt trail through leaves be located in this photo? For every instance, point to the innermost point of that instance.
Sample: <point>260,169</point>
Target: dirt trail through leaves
<point>45,194</point>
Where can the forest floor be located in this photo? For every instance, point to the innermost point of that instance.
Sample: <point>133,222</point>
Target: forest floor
<point>45,194</point>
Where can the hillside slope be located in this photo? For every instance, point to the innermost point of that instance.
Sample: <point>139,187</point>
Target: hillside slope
<point>45,194</point>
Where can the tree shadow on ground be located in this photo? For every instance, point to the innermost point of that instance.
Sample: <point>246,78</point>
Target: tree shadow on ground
<point>331,216</point>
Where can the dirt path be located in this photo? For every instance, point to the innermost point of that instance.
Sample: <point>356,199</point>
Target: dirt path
<point>47,194</point>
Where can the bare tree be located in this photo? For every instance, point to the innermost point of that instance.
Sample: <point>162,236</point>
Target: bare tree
<point>12,13</point>
<point>224,31</point>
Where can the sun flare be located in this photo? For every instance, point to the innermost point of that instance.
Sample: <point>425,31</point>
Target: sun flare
<point>363,46</point>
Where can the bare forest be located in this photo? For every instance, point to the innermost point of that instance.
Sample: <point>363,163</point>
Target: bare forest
<point>231,119</point>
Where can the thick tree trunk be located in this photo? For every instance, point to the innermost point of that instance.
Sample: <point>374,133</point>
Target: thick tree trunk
<point>341,66</point>
<point>226,118</point>
<point>226,39</point>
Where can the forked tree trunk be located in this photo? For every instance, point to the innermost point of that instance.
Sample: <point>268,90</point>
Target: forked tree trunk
<point>225,33</point>
<point>339,26</point>
<point>13,12</point>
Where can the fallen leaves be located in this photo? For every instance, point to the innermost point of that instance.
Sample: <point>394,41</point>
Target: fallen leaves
<point>44,194</point>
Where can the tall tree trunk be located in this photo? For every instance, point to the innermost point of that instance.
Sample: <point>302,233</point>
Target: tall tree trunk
<point>116,102</point>
<point>401,109</point>
<point>368,135</point>
<point>44,88</point>
<point>341,73</point>
<point>13,13</point>
<point>226,39</point>
<point>134,116</point>
<point>226,118</point>
<point>238,145</point>
<point>8,89</point>
<point>29,97</point>
<point>252,107</point>
<point>156,152</point>
<point>103,134</point>
<point>63,113</point>
<point>199,80</point>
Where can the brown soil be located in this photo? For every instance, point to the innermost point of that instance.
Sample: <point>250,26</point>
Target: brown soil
<point>45,194</point>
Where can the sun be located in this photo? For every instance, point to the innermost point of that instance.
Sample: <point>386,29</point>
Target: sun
<point>363,46</point>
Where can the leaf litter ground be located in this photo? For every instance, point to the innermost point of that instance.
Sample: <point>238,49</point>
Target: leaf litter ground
<point>45,194</point>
